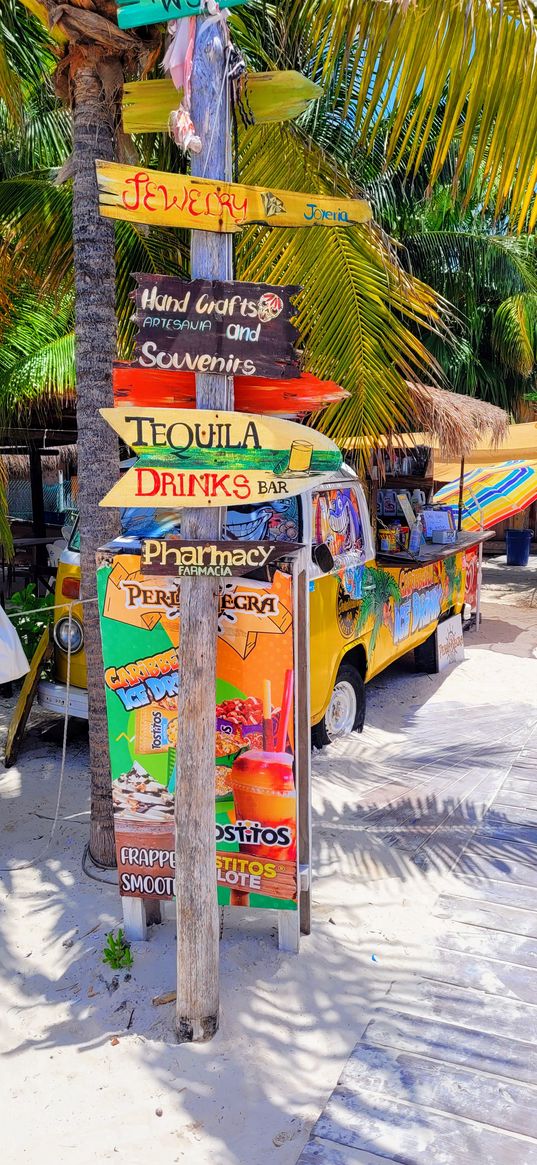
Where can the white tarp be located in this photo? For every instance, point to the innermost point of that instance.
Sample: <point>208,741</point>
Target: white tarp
<point>13,662</point>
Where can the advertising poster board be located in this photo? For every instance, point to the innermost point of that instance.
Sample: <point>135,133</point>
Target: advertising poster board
<point>254,771</point>
<point>449,643</point>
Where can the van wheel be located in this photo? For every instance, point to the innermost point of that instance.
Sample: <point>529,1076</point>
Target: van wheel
<point>346,710</point>
<point>425,656</point>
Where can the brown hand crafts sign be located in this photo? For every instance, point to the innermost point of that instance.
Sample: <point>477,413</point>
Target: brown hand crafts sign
<point>198,457</point>
<point>239,329</point>
<point>178,559</point>
<point>204,204</point>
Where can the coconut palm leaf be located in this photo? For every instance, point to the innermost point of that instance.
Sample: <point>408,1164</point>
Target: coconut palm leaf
<point>379,588</point>
<point>514,334</point>
<point>37,362</point>
<point>37,225</point>
<point>141,249</point>
<point>43,138</point>
<point>489,259</point>
<point>476,59</point>
<point>358,307</point>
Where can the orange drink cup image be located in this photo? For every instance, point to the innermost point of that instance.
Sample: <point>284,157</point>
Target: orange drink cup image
<point>264,796</point>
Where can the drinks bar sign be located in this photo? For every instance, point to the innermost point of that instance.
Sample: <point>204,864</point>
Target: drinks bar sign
<point>233,328</point>
<point>197,457</point>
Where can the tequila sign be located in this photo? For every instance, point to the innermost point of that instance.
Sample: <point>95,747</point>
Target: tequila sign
<point>174,558</point>
<point>233,328</point>
<point>205,204</point>
<point>197,457</point>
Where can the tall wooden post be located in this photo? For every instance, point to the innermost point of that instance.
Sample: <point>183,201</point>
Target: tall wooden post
<point>197,910</point>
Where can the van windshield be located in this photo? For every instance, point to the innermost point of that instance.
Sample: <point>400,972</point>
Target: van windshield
<point>277,521</point>
<point>269,521</point>
<point>74,540</point>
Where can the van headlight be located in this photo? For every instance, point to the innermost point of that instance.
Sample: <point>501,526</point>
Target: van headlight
<point>61,635</point>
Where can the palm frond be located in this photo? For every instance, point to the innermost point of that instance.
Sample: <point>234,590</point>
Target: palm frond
<point>358,310</point>
<point>37,359</point>
<point>490,260</point>
<point>477,60</point>
<point>142,249</point>
<point>36,220</point>
<point>514,334</point>
<point>10,86</point>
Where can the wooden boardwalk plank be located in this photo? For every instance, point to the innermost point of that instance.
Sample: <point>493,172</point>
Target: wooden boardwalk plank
<point>478,941</point>
<point>498,865</point>
<point>465,1005</point>
<point>499,1055</point>
<point>510,815</point>
<point>509,797</point>
<point>446,1072</point>
<point>414,1135</point>
<point>497,978</point>
<point>504,892</point>
<point>321,1152</point>
<point>507,919</point>
<point>433,1084</point>
<point>521,782</point>
<point>520,835</point>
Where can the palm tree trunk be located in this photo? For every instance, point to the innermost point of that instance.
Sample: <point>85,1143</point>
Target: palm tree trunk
<point>98,454</point>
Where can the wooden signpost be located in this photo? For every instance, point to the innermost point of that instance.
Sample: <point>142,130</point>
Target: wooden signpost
<point>133,13</point>
<point>174,558</point>
<point>207,458</point>
<point>206,204</point>
<point>211,458</point>
<point>239,328</point>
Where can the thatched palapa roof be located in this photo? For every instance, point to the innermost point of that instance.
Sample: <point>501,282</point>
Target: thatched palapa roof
<point>455,422</point>
<point>450,422</point>
<point>17,465</point>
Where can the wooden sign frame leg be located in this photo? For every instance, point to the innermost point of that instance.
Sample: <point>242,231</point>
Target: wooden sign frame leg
<point>138,914</point>
<point>302,649</point>
<point>292,922</point>
<point>135,919</point>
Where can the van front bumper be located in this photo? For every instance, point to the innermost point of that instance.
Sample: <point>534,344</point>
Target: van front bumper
<point>53,697</point>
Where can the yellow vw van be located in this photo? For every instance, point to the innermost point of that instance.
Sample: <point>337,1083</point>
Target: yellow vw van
<point>364,613</point>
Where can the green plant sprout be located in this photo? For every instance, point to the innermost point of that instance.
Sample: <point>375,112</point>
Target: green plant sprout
<point>32,614</point>
<point>117,951</point>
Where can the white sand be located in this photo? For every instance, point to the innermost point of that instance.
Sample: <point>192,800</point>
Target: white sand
<point>71,1095</point>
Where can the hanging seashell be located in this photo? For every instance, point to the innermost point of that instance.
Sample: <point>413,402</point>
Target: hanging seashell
<point>183,131</point>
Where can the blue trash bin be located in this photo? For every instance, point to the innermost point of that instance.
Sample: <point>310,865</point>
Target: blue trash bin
<point>518,547</point>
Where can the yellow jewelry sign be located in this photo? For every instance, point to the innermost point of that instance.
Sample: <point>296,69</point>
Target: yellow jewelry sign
<point>197,457</point>
<point>178,200</point>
